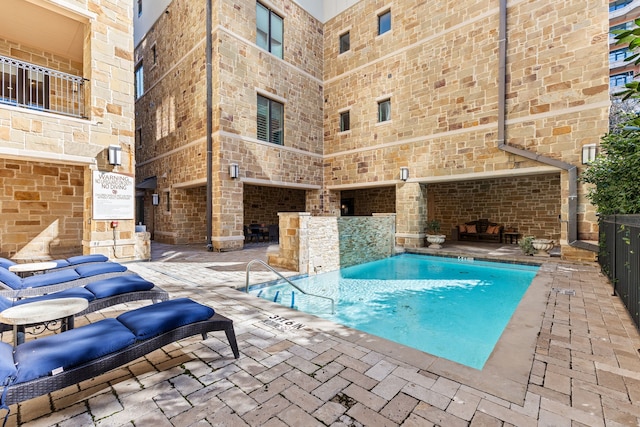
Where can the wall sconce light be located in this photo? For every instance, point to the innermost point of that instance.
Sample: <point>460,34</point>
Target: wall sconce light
<point>234,170</point>
<point>115,155</point>
<point>404,173</point>
<point>155,199</point>
<point>589,152</point>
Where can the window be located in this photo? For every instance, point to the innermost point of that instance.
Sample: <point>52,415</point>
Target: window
<point>618,5</point>
<point>384,110</point>
<point>269,30</point>
<point>168,200</point>
<point>384,22</point>
<point>154,54</point>
<point>23,86</point>
<point>139,80</point>
<point>345,44</point>
<point>139,7</point>
<point>620,79</point>
<point>270,120</point>
<point>344,121</point>
<point>619,54</point>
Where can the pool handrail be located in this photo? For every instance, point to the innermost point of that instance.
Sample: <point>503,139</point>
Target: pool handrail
<point>246,285</point>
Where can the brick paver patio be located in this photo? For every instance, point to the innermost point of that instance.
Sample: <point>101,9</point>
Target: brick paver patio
<point>564,360</point>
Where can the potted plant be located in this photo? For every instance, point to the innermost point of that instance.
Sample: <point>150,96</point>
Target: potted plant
<point>526,244</point>
<point>434,237</point>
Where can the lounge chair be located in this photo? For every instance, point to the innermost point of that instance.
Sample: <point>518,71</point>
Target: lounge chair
<point>100,294</point>
<point>71,262</point>
<point>38,367</point>
<point>14,286</point>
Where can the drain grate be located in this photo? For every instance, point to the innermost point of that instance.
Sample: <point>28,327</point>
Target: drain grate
<point>564,291</point>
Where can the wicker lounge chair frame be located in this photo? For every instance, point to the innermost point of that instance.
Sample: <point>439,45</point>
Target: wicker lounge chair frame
<point>28,390</point>
<point>8,292</point>
<point>154,294</point>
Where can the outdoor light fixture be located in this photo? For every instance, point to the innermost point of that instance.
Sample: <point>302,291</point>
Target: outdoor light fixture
<point>404,173</point>
<point>155,199</point>
<point>115,155</point>
<point>589,152</point>
<point>234,170</point>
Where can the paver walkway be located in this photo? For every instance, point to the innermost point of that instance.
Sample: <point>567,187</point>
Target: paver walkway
<point>568,358</point>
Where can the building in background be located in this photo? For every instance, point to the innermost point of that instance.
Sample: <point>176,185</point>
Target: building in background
<point>318,107</point>
<point>622,14</point>
<point>66,102</point>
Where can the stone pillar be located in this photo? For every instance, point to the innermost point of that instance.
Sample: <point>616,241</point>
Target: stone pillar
<point>411,210</point>
<point>293,230</point>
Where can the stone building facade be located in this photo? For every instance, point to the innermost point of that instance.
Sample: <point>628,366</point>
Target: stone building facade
<point>67,95</point>
<point>372,88</point>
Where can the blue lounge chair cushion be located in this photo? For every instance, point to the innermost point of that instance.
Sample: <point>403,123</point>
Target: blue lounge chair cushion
<point>88,270</point>
<point>53,278</point>
<point>155,319</point>
<point>6,263</point>
<point>82,259</point>
<point>78,292</point>
<point>10,279</point>
<point>7,368</point>
<point>47,355</point>
<point>118,285</point>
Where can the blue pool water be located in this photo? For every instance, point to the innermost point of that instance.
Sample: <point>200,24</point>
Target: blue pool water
<point>451,308</point>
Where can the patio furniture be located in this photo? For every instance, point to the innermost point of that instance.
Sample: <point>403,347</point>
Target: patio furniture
<point>274,233</point>
<point>14,286</point>
<point>53,264</point>
<point>41,366</point>
<point>480,231</point>
<point>59,312</point>
<point>99,294</point>
<point>25,270</point>
<point>249,234</point>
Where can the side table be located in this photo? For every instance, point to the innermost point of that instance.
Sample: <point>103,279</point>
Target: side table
<point>27,269</point>
<point>511,235</point>
<point>42,312</point>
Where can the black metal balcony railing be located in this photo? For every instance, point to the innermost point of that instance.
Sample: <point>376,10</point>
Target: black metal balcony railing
<point>39,88</point>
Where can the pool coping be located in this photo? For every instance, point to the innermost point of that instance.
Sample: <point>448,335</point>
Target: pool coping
<point>507,370</point>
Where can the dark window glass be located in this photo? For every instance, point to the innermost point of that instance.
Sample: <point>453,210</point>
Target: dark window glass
<point>270,121</point>
<point>269,30</point>
<point>384,110</point>
<point>345,44</point>
<point>344,121</point>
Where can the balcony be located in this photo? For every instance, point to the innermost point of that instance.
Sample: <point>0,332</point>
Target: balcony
<point>38,88</point>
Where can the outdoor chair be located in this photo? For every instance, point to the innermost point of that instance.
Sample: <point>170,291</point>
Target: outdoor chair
<point>100,294</point>
<point>71,262</point>
<point>14,286</point>
<point>250,234</point>
<point>38,367</point>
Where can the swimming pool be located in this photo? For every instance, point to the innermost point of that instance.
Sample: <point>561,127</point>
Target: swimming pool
<point>451,308</point>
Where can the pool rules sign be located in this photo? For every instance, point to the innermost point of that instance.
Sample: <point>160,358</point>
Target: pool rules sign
<point>113,196</point>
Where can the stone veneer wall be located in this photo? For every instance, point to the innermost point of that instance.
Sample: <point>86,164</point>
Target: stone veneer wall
<point>47,210</point>
<point>312,244</point>
<point>504,201</point>
<point>40,205</point>
<point>262,204</point>
<point>370,200</point>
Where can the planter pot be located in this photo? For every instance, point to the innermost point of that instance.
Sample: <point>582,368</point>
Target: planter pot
<point>435,240</point>
<point>542,246</point>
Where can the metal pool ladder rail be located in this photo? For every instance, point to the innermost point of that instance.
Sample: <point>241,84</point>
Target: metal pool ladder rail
<point>246,286</point>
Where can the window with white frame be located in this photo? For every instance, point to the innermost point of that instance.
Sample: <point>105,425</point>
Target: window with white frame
<point>269,30</point>
<point>270,121</point>
<point>384,22</point>
<point>139,80</point>
<point>384,110</point>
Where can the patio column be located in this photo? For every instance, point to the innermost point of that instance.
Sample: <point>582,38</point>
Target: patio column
<point>411,211</point>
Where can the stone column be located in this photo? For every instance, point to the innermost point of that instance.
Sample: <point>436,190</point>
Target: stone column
<point>411,210</point>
